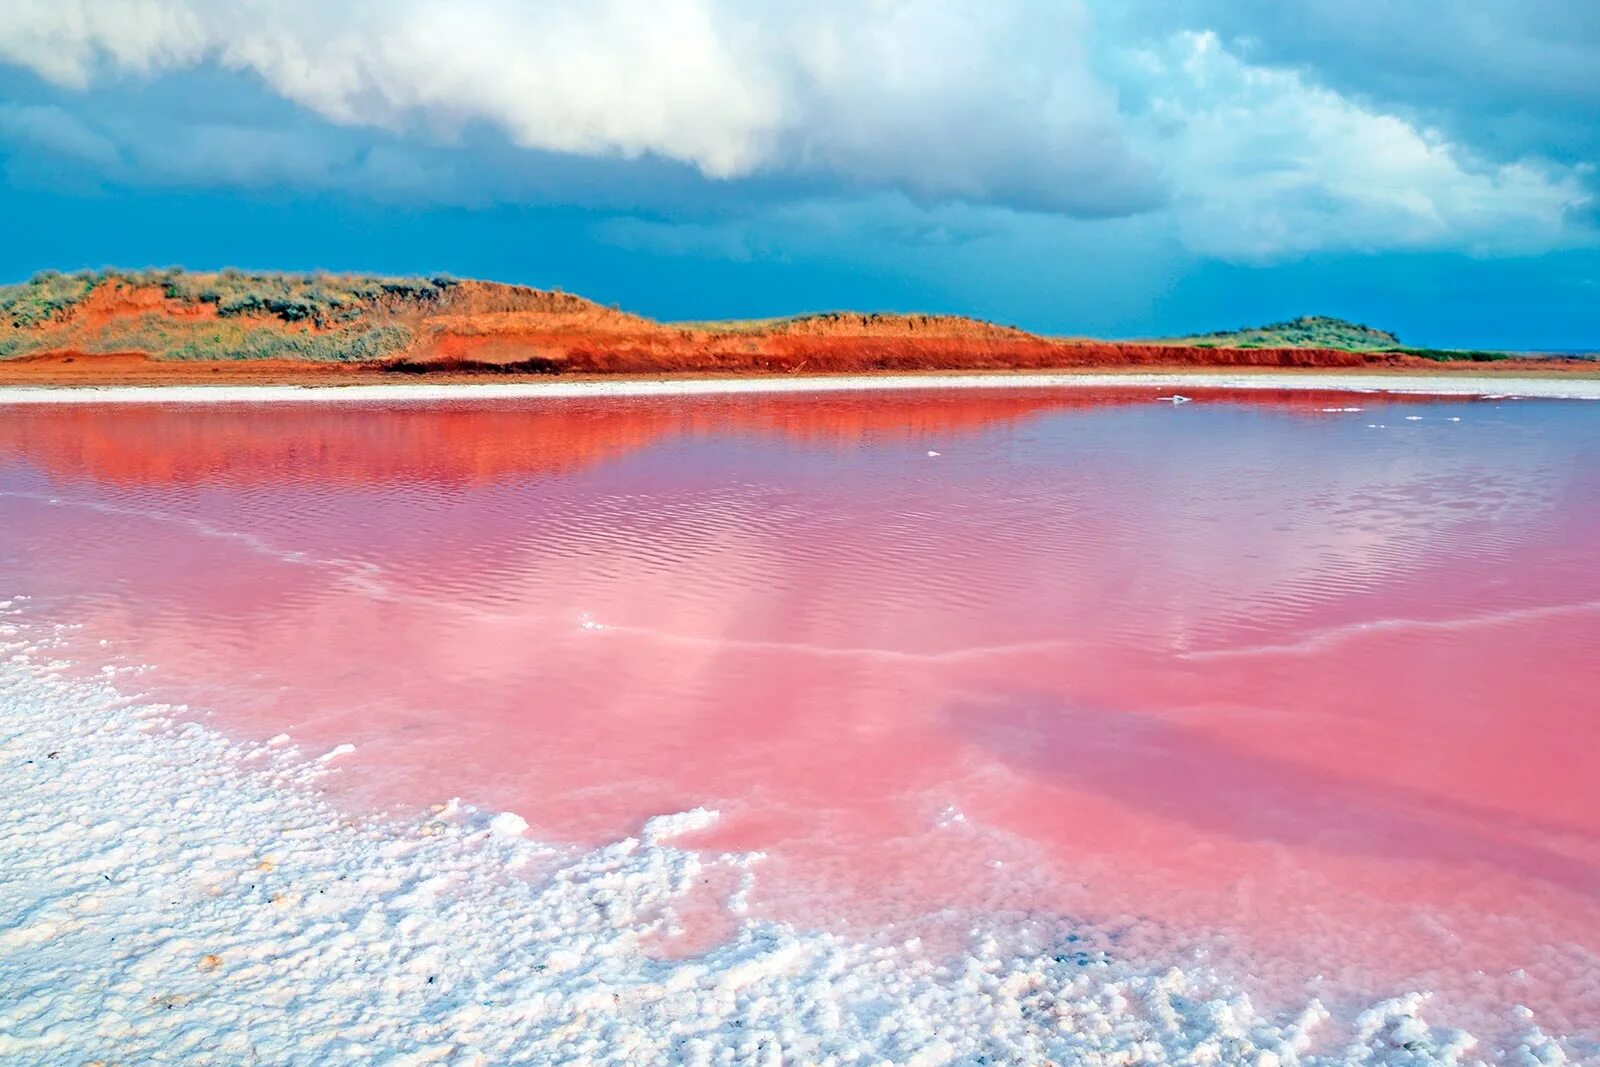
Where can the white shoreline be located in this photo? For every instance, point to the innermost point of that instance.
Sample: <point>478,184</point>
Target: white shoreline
<point>1437,385</point>
<point>164,891</point>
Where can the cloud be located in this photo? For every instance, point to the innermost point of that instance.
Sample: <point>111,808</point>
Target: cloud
<point>812,227</point>
<point>55,130</point>
<point>717,117</point>
<point>942,100</point>
<point>1269,164</point>
<point>886,252</point>
<point>1508,78</point>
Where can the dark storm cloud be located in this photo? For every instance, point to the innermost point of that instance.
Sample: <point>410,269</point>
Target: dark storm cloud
<point>1511,78</point>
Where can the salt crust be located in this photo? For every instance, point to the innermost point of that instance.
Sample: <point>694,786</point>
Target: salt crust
<point>1497,387</point>
<point>169,896</point>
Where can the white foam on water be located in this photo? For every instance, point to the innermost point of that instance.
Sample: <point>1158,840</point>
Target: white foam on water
<point>1333,635</point>
<point>169,895</point>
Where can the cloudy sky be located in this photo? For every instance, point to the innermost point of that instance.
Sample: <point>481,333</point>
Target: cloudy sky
<point>1116,167</point>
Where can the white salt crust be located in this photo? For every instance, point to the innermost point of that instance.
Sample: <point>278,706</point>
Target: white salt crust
<point>1496,387</point>
<point>168,896</point>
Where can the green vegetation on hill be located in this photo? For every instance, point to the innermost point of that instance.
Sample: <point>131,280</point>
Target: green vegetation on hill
<point>321,299</point>
<point>1308,331</point>
<point>42,298</point>
<point>1323,331</point>
<point>358,317</point>
<point>324,316</point>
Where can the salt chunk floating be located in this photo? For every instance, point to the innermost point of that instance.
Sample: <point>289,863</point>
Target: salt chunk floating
<point>508,824</point>
<point>932,453</point>
<point>660,828</point>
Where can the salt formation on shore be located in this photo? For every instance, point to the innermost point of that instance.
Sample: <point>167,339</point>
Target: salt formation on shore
<point>1498,387</point>
<point>168,894</point>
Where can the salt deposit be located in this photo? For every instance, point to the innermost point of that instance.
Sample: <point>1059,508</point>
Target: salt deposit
<point>1497,387</point>
<point>166,894</point>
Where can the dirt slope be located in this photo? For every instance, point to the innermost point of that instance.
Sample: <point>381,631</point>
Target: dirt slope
<point>173,326</point>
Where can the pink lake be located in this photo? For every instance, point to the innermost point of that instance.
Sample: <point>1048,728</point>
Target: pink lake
<point>1313,691</point>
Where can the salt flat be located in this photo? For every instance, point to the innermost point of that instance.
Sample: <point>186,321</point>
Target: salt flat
<point>172,896</point>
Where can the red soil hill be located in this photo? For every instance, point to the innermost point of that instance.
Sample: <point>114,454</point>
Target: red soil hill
<point>176,327</point>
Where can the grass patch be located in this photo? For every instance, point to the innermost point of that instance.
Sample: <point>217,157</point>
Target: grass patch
<point>1309,331</point>
<point>219,339</point>
<point>324,317</point>
<point>322,300</point>
<point>1451,355</point>
<point>42,298</point>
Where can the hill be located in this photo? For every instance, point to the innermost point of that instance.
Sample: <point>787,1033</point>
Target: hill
<point>172,325</point>
<point>1308,331</point>
<point>177,315</point>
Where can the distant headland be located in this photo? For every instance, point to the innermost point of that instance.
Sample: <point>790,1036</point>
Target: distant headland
<point>125,327</point>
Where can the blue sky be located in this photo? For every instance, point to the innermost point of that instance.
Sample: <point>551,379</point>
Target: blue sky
<point>1139,168</point>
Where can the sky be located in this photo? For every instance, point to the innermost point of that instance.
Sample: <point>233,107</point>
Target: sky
<point>1129,168</point>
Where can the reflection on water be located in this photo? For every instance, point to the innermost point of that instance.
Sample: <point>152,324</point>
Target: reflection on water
<point>1322,682</point>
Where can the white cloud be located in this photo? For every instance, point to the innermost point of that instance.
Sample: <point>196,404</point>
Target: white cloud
<point>944,100</point>
<point>64,40</point>
<point>939,100</point>
<point>1268,164</point>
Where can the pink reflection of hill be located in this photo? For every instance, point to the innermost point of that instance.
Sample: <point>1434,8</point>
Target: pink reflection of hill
<point>475,444</point>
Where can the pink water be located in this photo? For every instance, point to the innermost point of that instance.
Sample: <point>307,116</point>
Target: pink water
<point>1315,691</point>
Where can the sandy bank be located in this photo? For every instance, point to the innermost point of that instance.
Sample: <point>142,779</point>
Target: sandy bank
<point>1443,385</point>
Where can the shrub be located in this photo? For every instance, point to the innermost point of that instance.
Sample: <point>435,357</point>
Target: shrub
<point>41,298</point>
<point>336,346</point>
<point>321,299</point>
<point>340,316</point>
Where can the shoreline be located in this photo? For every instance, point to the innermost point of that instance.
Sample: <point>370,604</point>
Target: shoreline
<point>1360,382</point>
<point>173,889</point>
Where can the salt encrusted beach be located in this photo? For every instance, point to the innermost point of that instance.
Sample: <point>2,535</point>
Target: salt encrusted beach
<point>169,896</point>
<point>1571,387</point>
